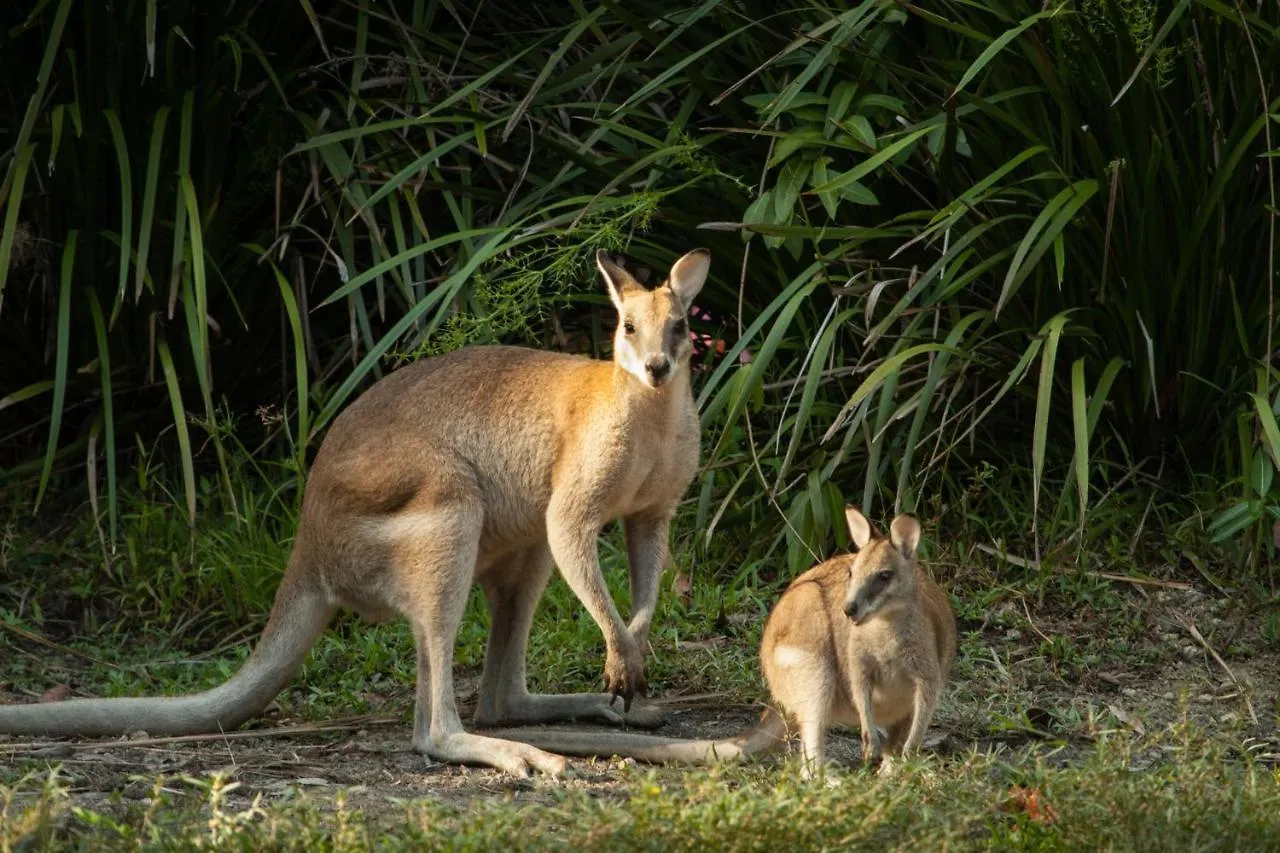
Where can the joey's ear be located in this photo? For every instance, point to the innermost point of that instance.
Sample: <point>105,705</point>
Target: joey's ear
<point>904,533</point>
<point>688,275</point>
<point>616,279</point>
<point>859,527</point>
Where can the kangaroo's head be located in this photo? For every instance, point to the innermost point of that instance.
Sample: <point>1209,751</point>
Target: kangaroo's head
<point>652,342</point>
<point>882,575</point>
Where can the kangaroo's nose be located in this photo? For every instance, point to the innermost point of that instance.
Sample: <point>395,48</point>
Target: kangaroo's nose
<point>853,609</point>
<point>658,366</point>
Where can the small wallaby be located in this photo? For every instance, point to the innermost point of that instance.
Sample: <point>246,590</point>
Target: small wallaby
<point>488,465</point>
<point>865,639</point>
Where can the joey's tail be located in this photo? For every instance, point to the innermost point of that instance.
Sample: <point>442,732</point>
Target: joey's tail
<point>300,613</point>
<point>768,734</point>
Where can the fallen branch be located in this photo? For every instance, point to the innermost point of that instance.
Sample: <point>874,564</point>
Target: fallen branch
<point>45,641</point>
<point>1199,638</point>
<point>1144,581</point>
<point>347,724</point>
<point>1026,563</point>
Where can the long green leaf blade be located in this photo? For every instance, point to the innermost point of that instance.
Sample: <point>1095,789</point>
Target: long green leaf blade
<point>62,353</point>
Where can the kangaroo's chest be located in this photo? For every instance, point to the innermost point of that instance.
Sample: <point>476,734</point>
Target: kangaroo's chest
<point>890,665</point>
<point>655,465</point>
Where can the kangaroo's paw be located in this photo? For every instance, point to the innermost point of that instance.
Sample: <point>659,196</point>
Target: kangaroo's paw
<point>573,707</point>
<point>518,759</point>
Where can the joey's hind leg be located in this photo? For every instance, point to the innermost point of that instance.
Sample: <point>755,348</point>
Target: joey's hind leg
<point>803,682</point>
<point>513,592</point>
<point>438,562</point>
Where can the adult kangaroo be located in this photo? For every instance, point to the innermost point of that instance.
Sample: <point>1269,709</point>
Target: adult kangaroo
<point>487,465</point>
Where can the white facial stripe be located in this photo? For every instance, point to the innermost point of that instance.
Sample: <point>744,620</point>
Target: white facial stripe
<point>630,360</point>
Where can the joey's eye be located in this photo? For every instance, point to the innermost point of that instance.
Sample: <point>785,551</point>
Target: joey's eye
<point>679,327</point>
<point>885,576</point>
<point>629,327</point>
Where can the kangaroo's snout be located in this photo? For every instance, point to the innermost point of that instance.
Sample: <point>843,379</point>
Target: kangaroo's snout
<point>855,611</point>
<point>658,367</point>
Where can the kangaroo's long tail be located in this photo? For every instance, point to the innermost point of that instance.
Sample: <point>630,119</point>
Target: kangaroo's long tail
<point>768,734</point>
<point>301,611</point>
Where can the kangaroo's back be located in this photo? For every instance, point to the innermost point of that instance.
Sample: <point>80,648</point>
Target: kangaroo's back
<point>936,608</point>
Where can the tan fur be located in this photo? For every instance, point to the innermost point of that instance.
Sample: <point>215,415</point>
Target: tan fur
<point>488,465</point>
<point>844,644</point>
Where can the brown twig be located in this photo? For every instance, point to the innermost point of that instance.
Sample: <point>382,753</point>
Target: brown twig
<point>44,641</point>
<point>1031,622</point>
<point>1144,581</point>
<point>1025,563</point>
<point>346,724</point>
<point>1199,638</point>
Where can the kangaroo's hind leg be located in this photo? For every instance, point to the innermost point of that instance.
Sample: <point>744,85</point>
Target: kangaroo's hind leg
<point>513,591</point>
<point>803,681</point>
<point>435,563</point>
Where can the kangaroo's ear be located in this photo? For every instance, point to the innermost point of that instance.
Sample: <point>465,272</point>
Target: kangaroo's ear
<point>859,528</point>
<point>904,533</point>
<point>688,275</point>
<point>617,280</point>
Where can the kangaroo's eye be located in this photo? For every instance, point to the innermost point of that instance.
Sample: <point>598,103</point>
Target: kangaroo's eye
<point>629,327</point>
<point>885,576</point>
<point>679,327</point>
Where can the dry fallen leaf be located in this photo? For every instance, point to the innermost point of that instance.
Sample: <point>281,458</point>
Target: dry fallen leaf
<point>56,693</point>
<point>1031,802</point>
<point>1125,717</point>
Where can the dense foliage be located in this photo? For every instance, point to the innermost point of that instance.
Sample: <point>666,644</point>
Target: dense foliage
<point>948,237</point>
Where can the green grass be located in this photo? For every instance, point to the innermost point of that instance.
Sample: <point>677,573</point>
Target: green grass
<point>1196,797</point>
<point>1035,640</point>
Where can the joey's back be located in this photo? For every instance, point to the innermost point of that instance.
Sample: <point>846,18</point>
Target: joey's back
<point>806,623</point>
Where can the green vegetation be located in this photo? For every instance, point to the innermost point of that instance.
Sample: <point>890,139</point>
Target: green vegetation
<point>933,227</point>
<point>1010,266</point>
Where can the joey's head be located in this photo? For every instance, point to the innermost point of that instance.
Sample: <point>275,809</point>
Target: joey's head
<point>882,575</point>
<point>652,342</point>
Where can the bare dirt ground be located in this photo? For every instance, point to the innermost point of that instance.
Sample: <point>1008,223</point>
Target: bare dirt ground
<point>1022,679</point>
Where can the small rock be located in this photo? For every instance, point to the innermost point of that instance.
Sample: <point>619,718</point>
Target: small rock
<point>1169,695</point>
<point>1128,691</point>
<point>1204,697</point>
<point>1229,717</point>
<point>140,734</point>
<point>1190,651</point>
<point>312,781</point>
